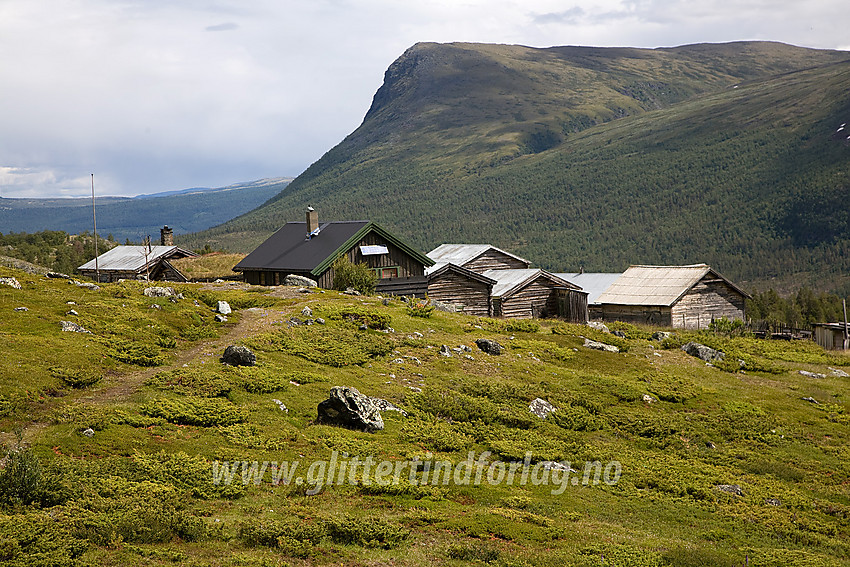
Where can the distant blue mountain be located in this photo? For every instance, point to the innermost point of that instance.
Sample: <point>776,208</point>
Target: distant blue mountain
<point>133,218</point>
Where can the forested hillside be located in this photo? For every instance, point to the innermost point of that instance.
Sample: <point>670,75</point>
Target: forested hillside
<point>728,154</point>
<point>135,218</point>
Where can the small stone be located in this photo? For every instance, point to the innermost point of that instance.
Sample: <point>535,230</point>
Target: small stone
<point>72,312</point>
<point>220,318</point>
<point>811,400</point>
<point>661,335</point>
<point>811,374</point>
<point>599,326</point>
<point>710,445</point>
<point>223,307</point>
<point>71,327</point>
<point>320,321</point>
<point>620,334</point>
<point>541,408</point>
<point>58,275</point>
<point>88,432</point>
<point>156,306</point>
<point>22,309</point>
<point>444,350</point>
<point>70,303</point>
<point>730,488</point>
<point>837,372</point>
<point>398,361</point>
<point>648,399</point>
<point>703,352</point>
<point>280,405</point>
<point>363,328</point>
<point>307,312</point>
<point>773,501</point>
<point>351,291</point>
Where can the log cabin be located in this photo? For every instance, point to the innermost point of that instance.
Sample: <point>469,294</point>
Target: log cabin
<point>138,263</point>
<point>459,286</point>
<point>688,297</point>
<point>310,248</point>
<point>535,293</point>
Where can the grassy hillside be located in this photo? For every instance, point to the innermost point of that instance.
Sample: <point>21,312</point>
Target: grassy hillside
<point>114,437</point>
<point>728,154</point>
<point>138,217</point>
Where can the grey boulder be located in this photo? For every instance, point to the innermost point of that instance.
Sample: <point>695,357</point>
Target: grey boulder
<point>596,345</point>
<point>349,408</point>
<point>292,279</point>
<point>703,352</point>
<point>490,346</point>
<point>541,408</point>
<point>237,355</point>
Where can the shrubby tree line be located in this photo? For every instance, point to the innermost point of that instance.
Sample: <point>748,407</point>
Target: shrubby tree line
<point>54,249</point>
<point>800,309</point>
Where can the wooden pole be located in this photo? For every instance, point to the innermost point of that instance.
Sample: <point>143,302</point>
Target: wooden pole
<point>94,219</point>
<point>846,335</point>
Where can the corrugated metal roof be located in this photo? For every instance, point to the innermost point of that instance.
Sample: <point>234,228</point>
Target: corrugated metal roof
<point>594,283</point>
<point>460,254</point>
<point>507,281</point>
<point>653,285</point>
<point>129,258</point>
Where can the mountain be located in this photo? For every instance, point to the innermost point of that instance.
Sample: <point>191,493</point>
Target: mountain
<point>730,154</point>
<point>188,210</point>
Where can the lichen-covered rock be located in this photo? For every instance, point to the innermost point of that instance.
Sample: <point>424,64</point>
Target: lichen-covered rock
<point>237,355</point>
<point>349,408</point>
<point>292,279</point>
<point>490,346</point>
<point>159,292</point>
<point>10,282</point>
<point>596,345</point>
<point>730,488</point>
<point>541,408</point>
<point>599,326</point>
<point>71,327</point>
<point>223,307</point>
<point>703,352</point>
<point>661,335</point>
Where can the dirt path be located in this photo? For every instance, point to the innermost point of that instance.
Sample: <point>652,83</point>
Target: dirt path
<point>121,386</point>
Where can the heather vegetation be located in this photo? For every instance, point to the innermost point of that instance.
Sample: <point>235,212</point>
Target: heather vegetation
<point>113,461</point>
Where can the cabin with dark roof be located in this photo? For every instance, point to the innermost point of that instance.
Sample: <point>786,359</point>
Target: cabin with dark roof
<point>310,248</point>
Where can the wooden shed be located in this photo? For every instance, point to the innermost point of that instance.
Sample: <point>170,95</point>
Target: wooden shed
<point>137,262</point>
<point>310,249</point>
<point>533,292</point>
<point>453,284</point>
<point>688,297</point>
<point>831,336</point>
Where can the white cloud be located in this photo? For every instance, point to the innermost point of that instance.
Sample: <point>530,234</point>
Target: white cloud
<point>154,96</point>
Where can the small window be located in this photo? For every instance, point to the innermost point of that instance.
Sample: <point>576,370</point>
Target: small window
<point>387,273</point>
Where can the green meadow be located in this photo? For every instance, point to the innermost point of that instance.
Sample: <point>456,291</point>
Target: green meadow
<point>113,439</point>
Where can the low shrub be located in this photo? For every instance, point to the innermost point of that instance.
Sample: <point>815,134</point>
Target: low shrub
<point>29,539</point>
<point>333,347</point>
<point>522,326</point>
<point>416,308</point>
<point>366,532</point>
<point>203,412</point>
<point>372,318</point>
<point>436,435</point>
<point>631,331</point>
<point>192,381</point>
<point>480,551</point>
<point>186,473</point>
<point>355,276</point>
<point>576,418</point>
<point>134,352</point>
<point>21,478</point>
<point>295,538</point>
<point>76,378</point>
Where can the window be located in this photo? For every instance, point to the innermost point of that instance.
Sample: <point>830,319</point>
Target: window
<point>387,273</point>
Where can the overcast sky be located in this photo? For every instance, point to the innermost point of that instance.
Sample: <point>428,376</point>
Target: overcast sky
<point>156,95</point>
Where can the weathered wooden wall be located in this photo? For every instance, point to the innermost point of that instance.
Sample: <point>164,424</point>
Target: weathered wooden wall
<point>414,286</point>
<point>637,314</point>
<point>494,260</point>
<point>538,298</point>
<point>709,299</point>
<point>572,305</point>
<point>451,287</point>
<point>829,337</point>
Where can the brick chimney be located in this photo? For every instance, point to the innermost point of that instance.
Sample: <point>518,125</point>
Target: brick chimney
<point>166,236</point>
<point>312,220</point>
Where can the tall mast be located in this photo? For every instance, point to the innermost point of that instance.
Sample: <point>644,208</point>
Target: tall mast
<point>94,219</point>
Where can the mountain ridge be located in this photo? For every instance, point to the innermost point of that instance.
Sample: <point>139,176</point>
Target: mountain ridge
<point>506,144</point>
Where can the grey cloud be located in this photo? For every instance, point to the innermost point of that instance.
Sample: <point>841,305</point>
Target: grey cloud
<point>571,16</point>
<point>227,26</point>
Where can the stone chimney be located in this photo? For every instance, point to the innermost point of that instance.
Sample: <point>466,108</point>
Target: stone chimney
<point>312,220</point>
<point>166,236</point>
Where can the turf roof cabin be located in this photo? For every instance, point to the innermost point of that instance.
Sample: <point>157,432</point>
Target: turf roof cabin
<point>310,248</point>
<point>688,297</point>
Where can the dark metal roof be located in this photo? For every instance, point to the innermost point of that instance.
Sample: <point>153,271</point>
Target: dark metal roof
<point>289,249</point>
